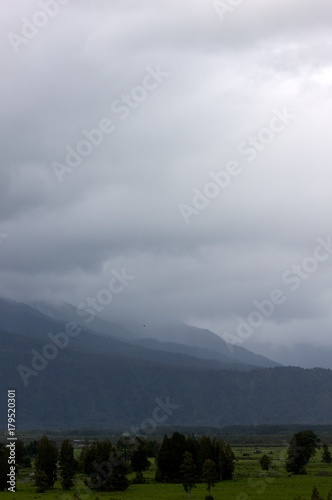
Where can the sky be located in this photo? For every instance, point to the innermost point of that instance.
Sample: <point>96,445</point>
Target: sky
<point>171,161</point>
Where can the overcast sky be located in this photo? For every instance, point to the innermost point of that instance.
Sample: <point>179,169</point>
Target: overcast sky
<point>242,94</point>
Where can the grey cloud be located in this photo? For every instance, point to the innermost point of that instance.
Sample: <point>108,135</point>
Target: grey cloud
<point>119,207</point>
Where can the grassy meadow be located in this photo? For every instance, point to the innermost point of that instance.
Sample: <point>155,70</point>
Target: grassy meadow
<point>249,483</point>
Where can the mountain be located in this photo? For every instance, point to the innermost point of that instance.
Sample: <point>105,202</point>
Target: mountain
<point>67,377</point>
<point>84,388</point>
<point>305,355</point>
<point>17,318</point>
<point>207,340</point>
<point>21,318</point>
<point>63,311</point>
<point>53,316</point>
<point>197,352</point>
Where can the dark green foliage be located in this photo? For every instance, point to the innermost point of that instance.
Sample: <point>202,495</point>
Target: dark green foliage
<point>105,465</point>
<point>21,453</point>
<point>116,480</point>
<point>226,461</point>
<point>326,456</point>
<point>139,460</point>
<point>27,462</point>
<point>32,448</point>
<point>152,447</point>
<point>94,454</point>
<point>206,451</point>
<point>125,445</point>
<point>87,457</point>
<point>201,450</point>
<point>46,463</point>
<point>302,447</point>
<point>41,481</point>
<point>170,457</point>
<point>22,458</point>
<point>209,474</point>
<point>193,447</point>
<point>315,494</point>
<point>163,460</point>
<point>67,464</point>
<point>209,497</point>
<point>178,448</point>
<point>188,472</point>
<point>265,462</point>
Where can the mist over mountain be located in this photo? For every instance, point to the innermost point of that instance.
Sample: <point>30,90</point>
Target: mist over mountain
<point>205,339</point>
<point>63,311</point>
<point>22,319</point>
<point>306,355</point>
<point>69,377</point>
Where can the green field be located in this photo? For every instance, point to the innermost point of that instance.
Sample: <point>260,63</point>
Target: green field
<point>249,482</point>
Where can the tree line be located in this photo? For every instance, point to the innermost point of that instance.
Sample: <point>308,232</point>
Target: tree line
<point>105,466</point>
<point>189,460</point>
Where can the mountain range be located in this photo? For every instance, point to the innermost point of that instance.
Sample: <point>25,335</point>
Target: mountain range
<point>103,375</point>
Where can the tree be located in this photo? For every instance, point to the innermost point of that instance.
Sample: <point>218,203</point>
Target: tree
<point>67,464</point>
<point>116,479</point>
<point>302,447</point>
<point>188,471</point>
<point>164,460</point>
<point>265,462</point>
<point>87,457</point>
<point>178,448</point>
<point>105,465</point>
<point>32,448</point>
<point>315,494</point>
<point>170,457</point>
<point>206,451</point>
<point>192,445</point>
<point>209,474</point>
<point>326,456</point>
<point>226,459</point>
<point>41,481</point>
<point>139,460</point>
<point>45,465</point>
<point>21,452</point>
